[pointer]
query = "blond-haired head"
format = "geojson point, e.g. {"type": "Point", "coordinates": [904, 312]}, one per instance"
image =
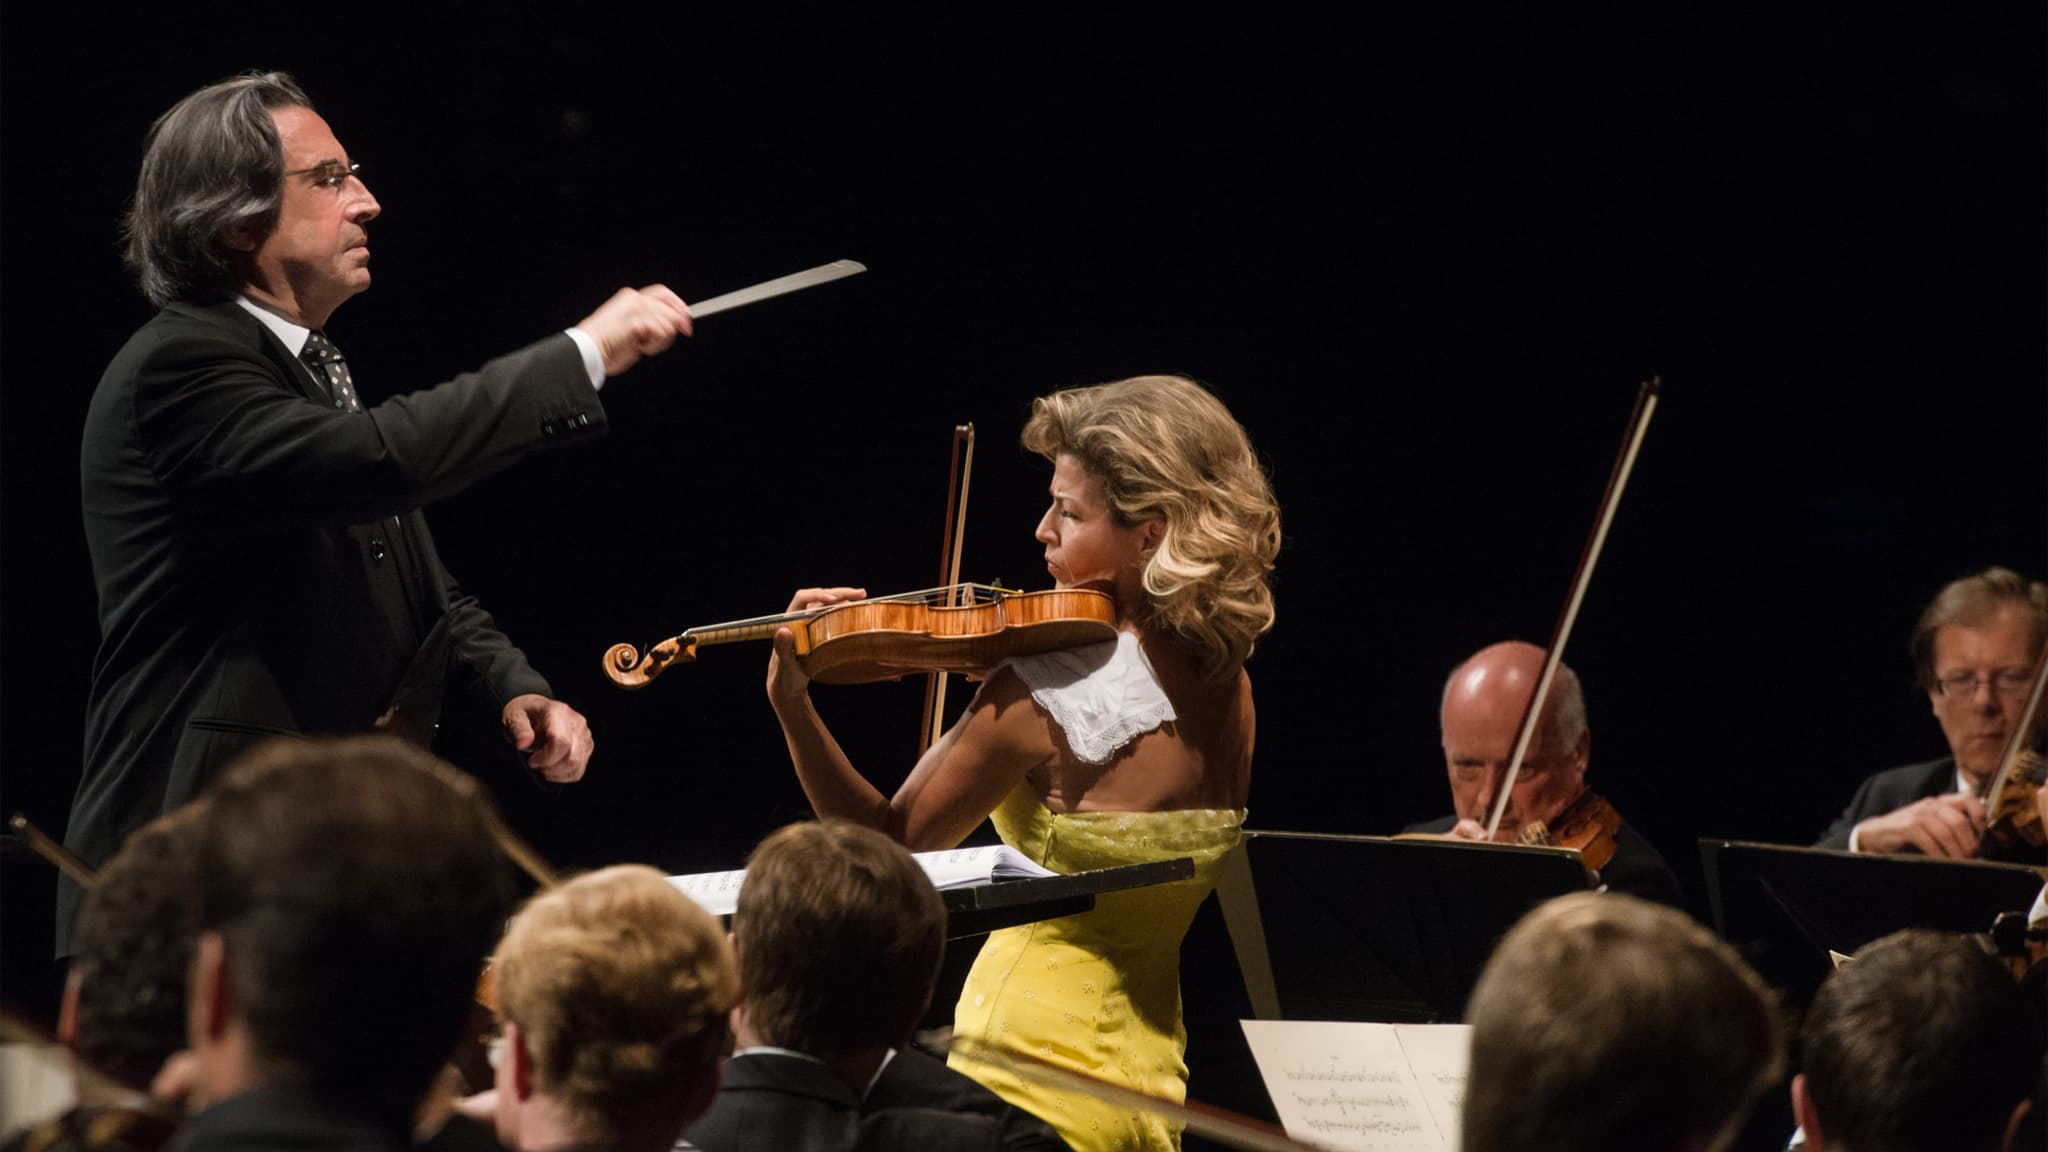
{"type": "Point", "coordinates": [620, 986]}
{"type": "Point", "coordinates": [1163, 447]}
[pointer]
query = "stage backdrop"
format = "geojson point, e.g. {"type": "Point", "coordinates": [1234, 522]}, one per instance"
{"type": "Point", "coordinates": [1427, 257]}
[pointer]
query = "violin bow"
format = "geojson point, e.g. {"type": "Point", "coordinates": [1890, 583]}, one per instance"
{"type": "Point", "coordinates": [958, 475]}
{"type": "Point", "coordinates": [1639, 423]}
{"type": "Point", "coordinates": [38, 842]}
{"type": "Point", "coordinates": [2016, 743]}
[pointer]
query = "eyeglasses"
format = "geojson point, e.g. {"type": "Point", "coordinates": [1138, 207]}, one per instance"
{"type": "Point", "coordinates": [330, 173]}
{"type": "Point", "coordinates": [2010, 683]}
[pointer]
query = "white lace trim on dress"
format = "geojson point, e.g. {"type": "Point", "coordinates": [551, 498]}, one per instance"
{"type": "Point", "coordinates": [1102, 697]}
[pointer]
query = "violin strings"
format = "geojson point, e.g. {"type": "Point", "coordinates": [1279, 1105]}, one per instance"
{"type": "Point", "coordinates": [921, 595]}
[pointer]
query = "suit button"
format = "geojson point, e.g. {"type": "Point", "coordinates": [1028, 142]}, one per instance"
{"type": "Point", "coordinates": [583, 419]}
{"type": "Point", "coordinates": [379, 550]}
{"type": "Point", "coordinates": [547, 427]}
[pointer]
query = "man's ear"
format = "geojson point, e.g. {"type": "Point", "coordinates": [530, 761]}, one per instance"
{"type": "Point", "coordinates": [67, 1011]}
{"type": "Point", "coordinates": [1804, 1116]}
{"type": "Point", "coordinates": [522, 1063]}
{"type": "Point", "coordinates": [2016, 1127]}
{"type": "Point", "coordinates": [212, 996]}
{"type": "Point", "coordinates": [242, 236]}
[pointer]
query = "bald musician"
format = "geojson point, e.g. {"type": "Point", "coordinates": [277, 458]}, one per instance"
{"type": "Point", "coordinates": [1482, 714]}
{"type": "Point", "coordinates": [1974, 650]}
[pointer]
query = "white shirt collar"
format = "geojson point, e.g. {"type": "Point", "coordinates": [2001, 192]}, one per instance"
{"type": "Point", "coordinates": [293, 335]}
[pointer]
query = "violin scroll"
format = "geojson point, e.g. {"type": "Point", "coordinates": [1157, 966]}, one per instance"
{"type": "Point", "coordinates": [629, 668]}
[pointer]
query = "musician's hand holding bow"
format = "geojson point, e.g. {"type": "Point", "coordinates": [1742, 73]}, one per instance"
{"type": "Point", "coordinates": [787, 680]}
{"type": "Point", "coordinates": [1468, 829]}
{"type": "Point", "coordinates": [1947, 825]}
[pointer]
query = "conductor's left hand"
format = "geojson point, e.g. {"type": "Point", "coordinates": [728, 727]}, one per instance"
{"type": "Point", "coordinates": [555, 737]}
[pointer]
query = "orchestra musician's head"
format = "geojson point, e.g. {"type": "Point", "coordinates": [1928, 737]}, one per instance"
{"type": "Point", "coordinates": [349, 891]}
{"type": "Point", "coordinates": [124, 998]}
{"type": "Point", "coordinates": [613, 991]}
{"type": "Point", "coordinates": [244, 189]}
{"type": "Point", "coordinates": [1921, 1040]}
{"type": "Point", "coordinates": [839, 935]}
{"type": "Point", "coordinates": [1482, 714]}
{"type": "Point", "coordinates": [1159, 499]}
{"type": "Point", "coordinates": [1606, 1022]}
{"type": "Point", "coordinates": [1974, 649]}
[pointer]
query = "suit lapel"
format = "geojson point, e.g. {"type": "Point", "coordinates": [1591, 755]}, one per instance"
{"type": "Point", "coordinates": [247, 330]}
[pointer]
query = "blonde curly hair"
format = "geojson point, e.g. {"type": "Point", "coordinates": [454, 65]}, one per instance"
{"type": "Point", "coordinates": [622, 986]}
{"type": "Point", "coordinates": [1164, 447]}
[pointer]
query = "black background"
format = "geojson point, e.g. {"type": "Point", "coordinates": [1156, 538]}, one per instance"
{"type": "Point", "coordinates": [1425, 253]}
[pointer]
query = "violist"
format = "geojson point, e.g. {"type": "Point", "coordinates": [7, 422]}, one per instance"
{"type": "Point", "coordinates": [1483, 704]}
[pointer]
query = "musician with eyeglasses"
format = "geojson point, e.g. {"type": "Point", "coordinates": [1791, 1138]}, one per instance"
{"type": "Point", "coordinates": [254, 526]}
{"type": "Point", "coordinates": [1974, 649]}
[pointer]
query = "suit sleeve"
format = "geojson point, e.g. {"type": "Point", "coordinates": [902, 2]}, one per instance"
{"type": "Point", "coordinates": [231, 440]}
{"type": "Point", "coordinates": [1859, 810]}
{"type": "Point", "coordinates": [483, 663]}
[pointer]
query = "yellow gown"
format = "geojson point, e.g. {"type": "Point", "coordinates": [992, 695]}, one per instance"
{"type": "Point", "coordinates": [1098, 993]}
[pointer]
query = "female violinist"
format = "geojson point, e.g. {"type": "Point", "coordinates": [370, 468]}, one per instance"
{"type": "Point", "coordinates": [1129, 750]}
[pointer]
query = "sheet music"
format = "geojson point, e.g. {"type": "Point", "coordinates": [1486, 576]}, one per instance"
{"type": "Point", "coordinates": [719, 892]}
{"type": "Point", "coordinates": [1438, 1055]}
{"type": "Point", "coordinates": [1361, 1087]}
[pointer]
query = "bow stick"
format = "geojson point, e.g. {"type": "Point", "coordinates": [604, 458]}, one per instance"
{"type": "Point", "coordinates": [1224, 1127]}
{"type": "Point", "coordinates": [1639, 423]}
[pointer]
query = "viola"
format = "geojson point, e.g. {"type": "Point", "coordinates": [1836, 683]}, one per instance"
{"type": "Point", "coordinates": [889, 637]}
{"type": "Point", "coordinates": [1589, 825]}
{"type": "Point", "coordinates": [2012, 818]}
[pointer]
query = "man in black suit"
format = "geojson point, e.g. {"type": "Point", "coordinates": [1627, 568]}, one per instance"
{"type": "Point", "coordinates": [839, 934]}
{"type": "Point", "coordinates": [348, 890]}
{"type": "Point", "coordinates": [1974, 650]}
{"type": "Point", "coordinates": [1483, 703]}
{"type": "Point", "coordinates": [261, 562]}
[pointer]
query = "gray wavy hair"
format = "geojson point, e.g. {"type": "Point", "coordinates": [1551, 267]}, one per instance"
{"type": "Point", "coordinates": [213, 165]}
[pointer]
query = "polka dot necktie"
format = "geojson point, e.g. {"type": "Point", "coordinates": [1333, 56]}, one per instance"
{"type": "Point", "coordinates": [329, 368]}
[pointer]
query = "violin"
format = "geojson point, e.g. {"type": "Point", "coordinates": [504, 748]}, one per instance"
{"type": "Point", "coordinates": [2012, 818]}
{"type": "Point", "coordinates": [1589, 825]}
{"type": "Point", "coordinates": [889, 637]}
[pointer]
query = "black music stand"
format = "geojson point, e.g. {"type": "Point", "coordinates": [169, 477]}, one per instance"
{"type": "Point", "coordinates": [1787, 908]}
{"type": "Point", "coordinates": [1390, 929]}
{"type": "Point", "coordinates": [1003, 903]}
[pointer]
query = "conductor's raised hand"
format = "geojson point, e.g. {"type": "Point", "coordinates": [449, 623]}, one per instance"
{"type": "Point", "coordinates": [555, 737]}
{"type": "Point", "coordinates": [787, 680]}
{"type": "Point", "coordinates": [636, 322]}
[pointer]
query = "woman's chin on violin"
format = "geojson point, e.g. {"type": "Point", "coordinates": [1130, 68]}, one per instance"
{"type": "Point", "coordinates": [1087, 545]}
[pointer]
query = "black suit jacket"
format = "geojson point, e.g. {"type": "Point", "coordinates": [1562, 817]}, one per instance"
{"type": "Point", "coordinates": [260, 560]}
{"type": "Point", "coordinates": [771, 1101]}
{"type": "Point", "coordinates": [1637, 868]}
{"type": "Point", "coordinates": [276, 1118]}
{"type": "Point", "coordinates": [1894, 788]}
{"type": "Point", "coordinates": [915, 1080]}
{"type": "Point", "coordinates": [1889, 791]}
